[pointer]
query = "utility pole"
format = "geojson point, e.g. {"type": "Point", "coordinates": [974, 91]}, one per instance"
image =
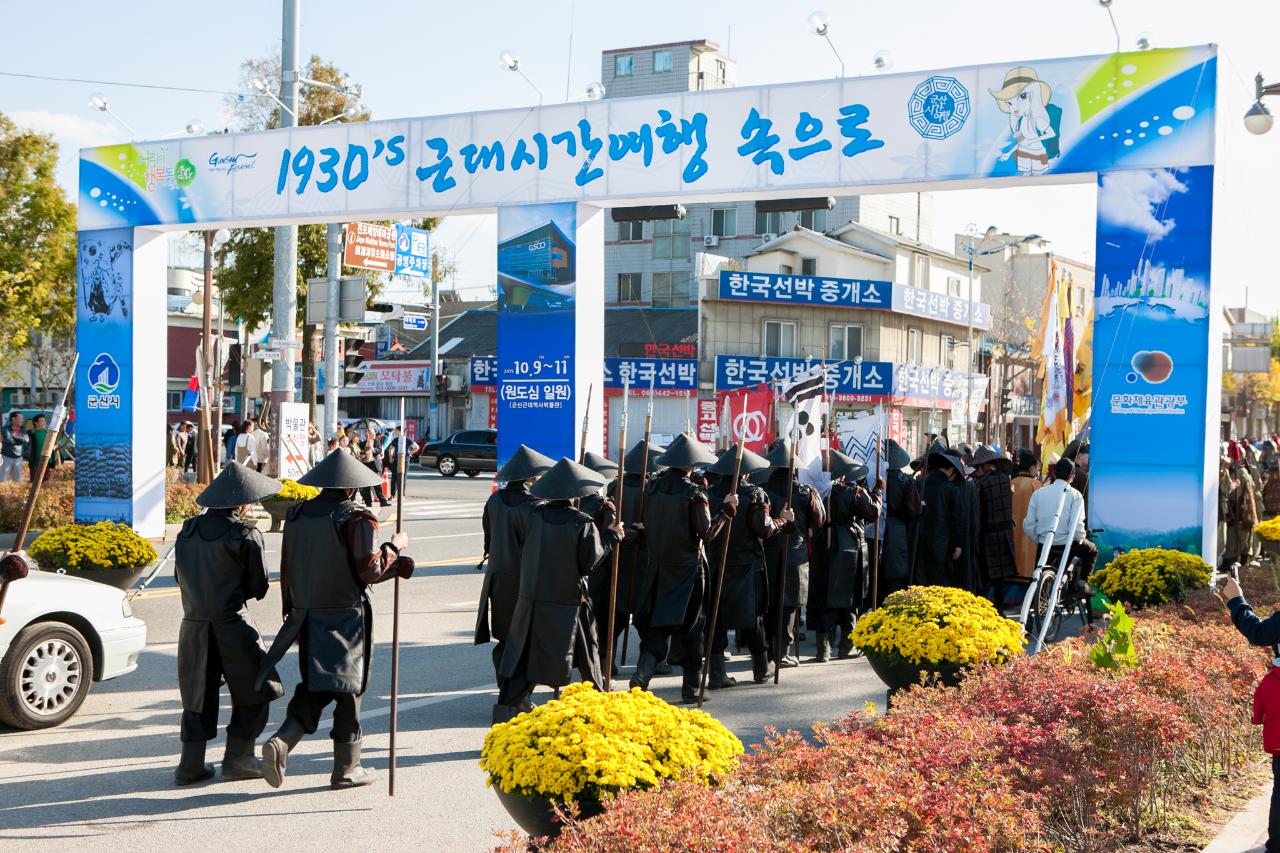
{"type": "Point", "coordinates": [206, 466]}
{"type": "Point", "coordinates": [332, 308]}
{"type": "Point", "coordinates": [284, 301]}
{"type": "Point", "coordinates": [433, 421]}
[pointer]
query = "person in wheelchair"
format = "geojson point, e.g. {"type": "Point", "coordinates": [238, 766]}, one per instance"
{"type": "Point", "coordinates": [1040, 520]}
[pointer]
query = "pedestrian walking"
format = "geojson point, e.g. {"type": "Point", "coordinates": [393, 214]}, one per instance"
{"type": "Point", "coordinates": [371, 458]}
{"type": "Point", "coordinates": [677, 521]}
{"type": "Point", "coordinates": [391, 458]}
{"type": "Point", "coordinates": [551, 626]}
{"type": "Point", "coordinates": [38, 434]}
{"type": "Point", "coordinates": [328, 559]}
{"type": "Point", "coordinates": [219, 566]}
{"type": "Point", "coordinates": [13, 446]}
{"type": "Point", "coordinates": [1026, 480]}
{"type": "Point", "coordinates": [505, 520]}
{"type": "Point", "coordinates": [744, 597]}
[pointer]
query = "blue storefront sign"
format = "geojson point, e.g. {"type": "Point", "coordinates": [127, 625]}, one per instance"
{"type": "Point", "coordinates": [831, 292]}
{"type": "Point", "coordinates": [413, 251]}
{"type": "Point", "coordinates": [484, 372]}
{"type": "Point", "coordinates": [851, 381]}
{"type": "Point", "coordinates": [671, 377]}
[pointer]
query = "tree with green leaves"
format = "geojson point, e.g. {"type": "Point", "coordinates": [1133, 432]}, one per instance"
{"type": "Point", "coordinates": [246, 276]}
{"type": "Point", "coordinates": [37, 245]}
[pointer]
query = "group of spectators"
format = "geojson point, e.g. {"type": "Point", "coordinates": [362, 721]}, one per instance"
{"type": "Point", "coordinates": [23, 443]}
{"type": "Point", "coordinates": [379, 452]}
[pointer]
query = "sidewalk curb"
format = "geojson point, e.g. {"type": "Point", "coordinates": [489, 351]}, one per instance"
{"type": "Point", "coordinates": [1245, 832]}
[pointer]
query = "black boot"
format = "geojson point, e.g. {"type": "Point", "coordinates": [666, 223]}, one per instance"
{"type": "Point", "coordinates": [663, 667]}
{"type": "Point", "coordinates": [690, 684]}
{"type": "Point", "coordinates": [347, 772]}
{"type": "Point", "coordinates": [761, 667]}
{"type": "Point", "coordinates": [502, 713]}
{"type": "Point", "coordinates": [719, 679]}
{"type": "Point", "coordinates": [238, 761]}
{"type": "Point", "coordinates": [191, 767]}
{"type": "Point", "coordinates": [824, 647]}
{"type": "Point", "coordinates": [644, 671]}
{"type": "Point", "coordinates": [275, 752]}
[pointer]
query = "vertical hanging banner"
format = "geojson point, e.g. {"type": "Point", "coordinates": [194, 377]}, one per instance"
{"type": "Point", "coordinates": [104, 396]}
{"type": "Point", "coordinates": [537, 370]}
{"type": "Point", "coordinates": [291, 461]}
{"type": "Point", "coordinates": [1151, 361]}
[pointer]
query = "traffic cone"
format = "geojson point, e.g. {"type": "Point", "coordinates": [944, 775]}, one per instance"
{"type": "Point", "coordinates": [386, 485]}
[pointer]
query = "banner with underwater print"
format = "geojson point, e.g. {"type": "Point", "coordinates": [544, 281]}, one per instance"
{"type": "Point", "coordinates": [1151, 360]}
{"type": "Point", "coordinates": [104, 398]}
{"type": "Point", "coordinates": [536, 328]}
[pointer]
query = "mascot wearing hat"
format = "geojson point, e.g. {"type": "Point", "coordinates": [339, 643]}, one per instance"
{"type": "Point", "coordinates": [219, 566]}
{"type": "Point", "coordinates": [551, 627]}
{"type": "Point", "coordinates": [328, 559]}
{"type": "Point", "coordinates": [1033, 121]}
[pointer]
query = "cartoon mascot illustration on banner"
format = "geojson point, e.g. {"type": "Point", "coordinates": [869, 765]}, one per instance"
{"type": "Point", "coordinates": [1033, 120]}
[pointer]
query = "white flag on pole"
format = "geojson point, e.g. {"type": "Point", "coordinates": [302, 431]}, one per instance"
{"type": "Point", "coordinates": [805, 395]}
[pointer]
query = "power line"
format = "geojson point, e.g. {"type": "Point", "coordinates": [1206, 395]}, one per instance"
{"type": "Point", "coordinates": [118, 83]}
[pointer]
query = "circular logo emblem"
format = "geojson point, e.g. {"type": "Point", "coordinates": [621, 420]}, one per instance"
{"type": "Point", "coordinates": [749, 426]}
{"type": "Point", "coordinates": [104, 374]}
{"type": "Point", "coordinates": [184, 172]}
{"type": "Point", "coordinates": [938, 107]}
{"type": "Point", "coordinates": [1154, 366]}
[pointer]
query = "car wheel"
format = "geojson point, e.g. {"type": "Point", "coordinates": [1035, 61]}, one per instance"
{"type": "Point", "coordinates": [447, 466]}
{"type": "Point", "coordinates": [472, 473]}
{"type": "Point", "coordinates": [45, 676]}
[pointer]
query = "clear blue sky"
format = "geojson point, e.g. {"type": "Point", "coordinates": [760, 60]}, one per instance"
{"type": "Point", "coordinates": [422, 58]}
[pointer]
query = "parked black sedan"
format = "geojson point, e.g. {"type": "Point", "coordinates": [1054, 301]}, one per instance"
{"type": "Point", "coordinates": [469, 450]}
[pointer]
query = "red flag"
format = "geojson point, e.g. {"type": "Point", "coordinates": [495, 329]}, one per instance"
{"type": "Point", "coordinates": [754, 426]}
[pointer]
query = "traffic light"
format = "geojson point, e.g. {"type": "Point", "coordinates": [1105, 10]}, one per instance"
{"type": "Point", "coordinates": [352, 362]}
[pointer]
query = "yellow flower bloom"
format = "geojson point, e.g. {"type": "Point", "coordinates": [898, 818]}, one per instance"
{"type": "Point", "coordinates": [1151, 575]}
{"type": "Point", "coordinates": [938, 624]}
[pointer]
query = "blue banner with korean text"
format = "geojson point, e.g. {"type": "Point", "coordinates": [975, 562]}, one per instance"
{"type": "Point", "coordinates": [668, 377]}
{"type": "Point", "coordinates": [536, 329]}
{"type": "Point", "coordinates": [484, 372]}
{"type": "Point", "coordinates": [852, 381]}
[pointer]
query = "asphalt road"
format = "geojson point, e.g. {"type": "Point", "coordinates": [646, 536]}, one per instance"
{"type": "Point", "coordinates": [104, 782]}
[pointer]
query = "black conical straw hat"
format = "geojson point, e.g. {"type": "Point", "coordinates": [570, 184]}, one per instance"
{"type": "Point", "coordinates": [779, 455]}
{"type": "Point", "coordinates": [897, 457]}
{"type": "Point", "coordinates": [843, 465]}
{"type": "Point", "coordinates": [635, 459]}
{"type": "Point", "coordinates": [237, 485]}
{"type": "Point", "coordinates": [687, 452]}
{"type": "Point", "coordinates": [728, 462]}
{"type": "Point", "coordinates": [600, 464]}
{"type": "Point", "coordinates": [340, 470]}
{"type": "Point", "coordinates": [566, 479]}
{"type": "Point", "coordinates": [524, 464]}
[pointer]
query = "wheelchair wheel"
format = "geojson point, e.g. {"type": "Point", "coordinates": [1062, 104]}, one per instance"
{"type": "Point", "coordinates": [1040, 605]}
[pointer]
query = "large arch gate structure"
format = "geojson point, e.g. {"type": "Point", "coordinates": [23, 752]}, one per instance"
{"type": "Point", "coordinates": [1139, 124]}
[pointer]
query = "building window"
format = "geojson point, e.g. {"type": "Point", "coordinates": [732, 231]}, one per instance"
{"type": "Point", "coordinates": [622, 66]}
{"type": "Point", "coordinates": [721, 75]}
{"type": "Point", "coordinates": [629, 287]}
{"type": "Point", "coordinates": [630, 232]}
{"type": "Point", "coordinates": [671, 238]}
{"type": "Point", "coordinates": [953, 285]}
{"type": "Point", "coordinates": [808, 266]}
{"type": "Point", "coordinates": [724, 221]}
{"type": "Point", "coordinates": [785, 269]}
{"type": "Point", "coordinates": [779, 339]}
{"type": "Point", "coordinates": [895, 225]}
{"type": "Point", "coordinates": [670, 290]}
{"type": "Point", "coordinates": [846, 343]}
{"type": "Point", "coordinates": [947, 351]}
{"type": "Point", "coordinates": [915, 346]}
{"type": "Point", "coordinates": [920, 277]}
{"type": "Point", "coordinates": [814, 220]}
{"type": "Point", "coordinates": [175, 401]}
{"type": "Point", "coordinates": [662, 61]}
{"type": "Point", "coordinates": [768, 223]}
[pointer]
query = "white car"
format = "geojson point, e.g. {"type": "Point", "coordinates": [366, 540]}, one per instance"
{"type": "Point", "coordinates": [59, 634]}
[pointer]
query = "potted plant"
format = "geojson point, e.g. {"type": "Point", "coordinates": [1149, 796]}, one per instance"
{"type": "Point", "coordinates": [587, 746]}
{"type": "Point", "coordinates": [106, 552]}
{"type": "Point", "coordinates": [291, 495]}
{"type": "Point", "coordinates": [1151, 576]}
{"type": "Point", "coordinates": [1269, 532]}
{"type": "Point", "coordinates": [939, 631]}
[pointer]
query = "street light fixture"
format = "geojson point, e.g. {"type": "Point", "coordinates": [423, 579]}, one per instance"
{"type": "Point", "coordinates": [882, 61]}
{"type": "Point", "coordinates": [1258, 120]}
{"type": "Point", "coordinates": [98, 101]}
{"type": "Point", "coordinates": [511, 61]}
{"type": "Point", "coordinates": [820, 26]}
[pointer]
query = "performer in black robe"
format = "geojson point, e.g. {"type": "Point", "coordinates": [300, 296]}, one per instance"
{"type": "Point", "coordinates": [943, 532]}
{"type": "Point", "coordinates": [791, 573]}
{"type": "Point", "coordinates": [219, 565]}
{"type": "Point", "coordinates": [552, 630]}
{"type": "Point", "coordinates": [328, 560]}
{"type": "Point", "coordinates": [900, 507]}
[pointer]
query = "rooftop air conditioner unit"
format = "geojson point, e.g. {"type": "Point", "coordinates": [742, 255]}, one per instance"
{"type": "Point", "coordinates": [710, 241]}
{"type": "Point", "coordinates": [765, 238]}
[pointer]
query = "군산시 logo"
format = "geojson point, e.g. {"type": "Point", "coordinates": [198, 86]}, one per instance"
{"type": "Point", "coordinates": [938, 107]}
{"type": "Point", "coordinates": [104, 374]}
{"type": "Point", "coordinates": [184, 172]}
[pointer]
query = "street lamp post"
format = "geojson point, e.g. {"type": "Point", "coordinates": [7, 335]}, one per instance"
{"type": "Point", "coordinates": [1258, 120]}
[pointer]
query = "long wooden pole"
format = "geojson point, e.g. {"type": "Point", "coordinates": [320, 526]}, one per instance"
{"type": "Point", "coordinates": [586, 424]}
{"type": "Point", "coordinates": [617, 550]}
{"type": "Point", "coordinates": [875, 551]}
{"type": "Point", "coordinates": [51, 436]}
{"type": "Point", "coordinates": [644, 473]}
{"type": "Point", "coordinates": [395, 613]}
{"type": "Point", "coordinates": [783, 561]}
{"type": "Point", "coordinates": [724, 559]}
